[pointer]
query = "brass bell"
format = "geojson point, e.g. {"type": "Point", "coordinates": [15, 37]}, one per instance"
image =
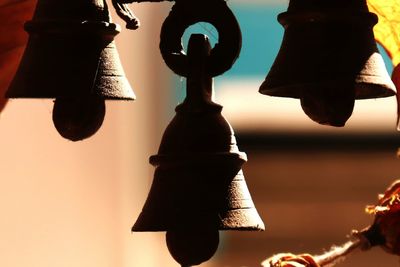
{"type": "Point", "coordinates": [328, 58]}
{"type": "Point", "coordinates": [198, 185]}
{"type": "Point", "coordinates": [71, 56]}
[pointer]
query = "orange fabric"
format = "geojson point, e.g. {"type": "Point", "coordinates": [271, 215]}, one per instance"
{"type": "Point", "coordinates": [396, 81]}
{"type": "Point", "coordinates": [387, 218]}
{"type": "Point", "coordinates": [387, 31]}
{"type": "Point", "coordinates": [13, 38]}
{"type": "Point", "coordinates": [290, 260]}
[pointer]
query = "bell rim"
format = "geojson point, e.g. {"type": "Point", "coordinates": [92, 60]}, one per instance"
{"type": "Point", "coordinates": [101, 28]}
{"type": "Point", "coordinates": [107, 97]}
{"type": "Point", "coordinates": [257, 228]}
{"type": "Point", "coordinates": [253, 223]}
{"type": "Point", "coordinates": [160, 159]}
{"type": "Point", "coordinates": [296, 17]}
{"type": "Point", "coordinates": [379, 90]}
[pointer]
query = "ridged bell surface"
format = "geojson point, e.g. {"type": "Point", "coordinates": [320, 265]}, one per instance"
{"type": "Point", "coordinates": [198, 182]}
{"type": "Point", "coordinates": [71, 53]}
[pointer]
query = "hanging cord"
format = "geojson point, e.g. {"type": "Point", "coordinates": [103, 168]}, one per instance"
{"type": "Point", "coordinates": [123, 11]}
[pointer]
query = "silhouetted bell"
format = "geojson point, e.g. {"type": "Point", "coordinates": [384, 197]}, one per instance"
{"type": "Point", "coordinates": [71, 56]}
{"type": "Point", "coordinates": [198, 185]}
{"type": "Point", "coordinates": [328, 58]}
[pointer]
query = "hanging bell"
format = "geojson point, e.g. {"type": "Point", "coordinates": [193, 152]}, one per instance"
{"type": "Point", "coordinates": [328, 58]}
{"type": "Point", "coordinates": [71, 56]}
{"type": "Point", "coordinates": [198, 185]}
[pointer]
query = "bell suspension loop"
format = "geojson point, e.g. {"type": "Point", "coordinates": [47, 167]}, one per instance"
{"type": "Point", "coordinates": [186, 13]}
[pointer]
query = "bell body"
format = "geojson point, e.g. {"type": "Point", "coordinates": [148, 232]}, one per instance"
{"type": "Point", "coordinates": [328, 43]}
{"type": "Point", "coordinates": [71, 53]}
{"type": "Point", "coordinates": [198, 181]}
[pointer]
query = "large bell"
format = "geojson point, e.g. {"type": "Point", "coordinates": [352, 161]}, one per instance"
{"type": "Point", "coordinates": [328, 58]}
{"type": "Point", "coordinates": [198, 181]}
{"type": "Point", "coordinates": [198, 185]}
{"type": "Point", "coordinates": [71, 56]}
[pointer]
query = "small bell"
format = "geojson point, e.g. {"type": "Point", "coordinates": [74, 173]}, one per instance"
{"type": "Point", "coordinates": [71, 56]}
{"type": "Point", "coordinates": [328, 58]}
{"type": "Point", "coordinates": [198, 185]}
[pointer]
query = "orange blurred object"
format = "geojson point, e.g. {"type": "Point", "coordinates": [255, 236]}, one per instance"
{"type": "Point", "coordinates": [13, 39]}
{"type": "Point", "coordinates": [396, 81]}
{"type": "Point", "coordinates": [387, 33]}
{"type": "Point", "coordinates": [387, 219]}
{"type": "Point", "coordinates": [290, 260]}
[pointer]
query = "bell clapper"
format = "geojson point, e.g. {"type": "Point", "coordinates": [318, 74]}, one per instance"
{"type": "Point", "coordinates": [78, 118]}
{"type": "Point", "coordinates": [192, 247]}
{"type": "Point", "coordinates": [331, 106]}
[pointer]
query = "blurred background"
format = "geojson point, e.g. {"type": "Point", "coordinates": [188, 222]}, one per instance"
{"type": "Point", "coordinates": [70, 204]}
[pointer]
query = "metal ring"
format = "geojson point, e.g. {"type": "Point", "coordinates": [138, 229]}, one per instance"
{"type": "Point", "coordinates": [185, 13]}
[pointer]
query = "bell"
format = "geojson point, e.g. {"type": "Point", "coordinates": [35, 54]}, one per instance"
{"type": "Point", "coordinates": [328, 58]}
{"type": "Point", "coordinates": [198, 181]}
{"type": "Point", "coordinates": [70, 53]}
{"type": "Point", "coordinates": [71, 56]}
{"type": "Point", "coordinates": [198, 185]}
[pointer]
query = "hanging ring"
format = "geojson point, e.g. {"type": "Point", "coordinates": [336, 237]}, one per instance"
{"type": "Point", "coordinates": [185, 13]}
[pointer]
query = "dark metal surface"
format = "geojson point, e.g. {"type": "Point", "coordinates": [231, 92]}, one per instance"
{"type": "Point", "coordinates": [328, 58]}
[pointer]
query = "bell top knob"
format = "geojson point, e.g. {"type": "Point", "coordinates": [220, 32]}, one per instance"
{"type": "Point", "coordinates": [318, 5]}
{"type": "Point", "coordinates": [199, 92]}
{"type": "Point", "coordinates": [88, 10]}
